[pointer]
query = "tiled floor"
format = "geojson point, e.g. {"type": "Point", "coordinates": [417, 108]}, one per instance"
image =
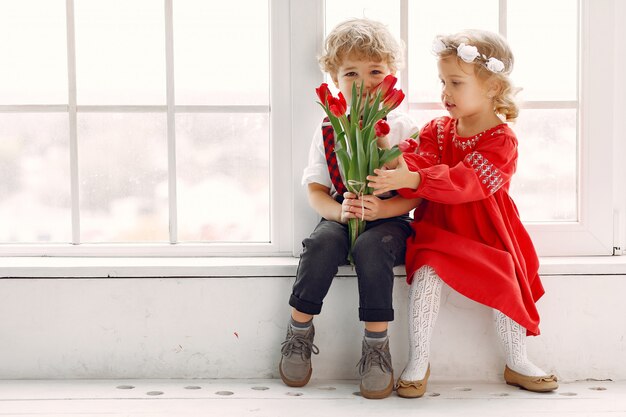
{"type": "Point", "coordinates": [172, 398]}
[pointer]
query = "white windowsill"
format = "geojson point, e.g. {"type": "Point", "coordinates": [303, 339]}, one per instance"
{"type": "Point", "coordinates": [135, 267]}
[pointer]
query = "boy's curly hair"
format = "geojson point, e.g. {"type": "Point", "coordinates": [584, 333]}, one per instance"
{"type": "Point", "coordinates": [489, 45]}
{"type": "Point", "coordinates": [363, 38]}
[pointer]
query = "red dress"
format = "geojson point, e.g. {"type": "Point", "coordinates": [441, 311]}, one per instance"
{"type": "Point", "coordinates": [468, 228]}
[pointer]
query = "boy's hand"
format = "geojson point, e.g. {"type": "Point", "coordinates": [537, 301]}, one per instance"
{"type": "Point", "coordinates": [346, 207]}
{"type": "Point", "coordinates": [368, 207]}
{"type": "Point", "coordinates": [393, 179]}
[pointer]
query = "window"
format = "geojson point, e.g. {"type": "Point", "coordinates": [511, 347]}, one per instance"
{"type": "Point", "coordinates": [557, 173]}
{"type": "Point", "coordinates": [139, 124]}
{"type": "Point", "coordinates": [181, 127]}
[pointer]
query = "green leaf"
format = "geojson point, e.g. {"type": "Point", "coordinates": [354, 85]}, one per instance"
{"type": "Point", "coordinates": [360, 151]}
{"type": "Point", "coordinates": [353, 173]}
{"type": "Point", "coordinates": [352, 138]}
{"type": "Point", "coordinates": [370, 117]}
{"type": "Point", "coordinates": [374, 162]}
{"type": "Point", "coordinates": [353, 106]}
{"type": "Point", "coordinates": [367, 108]}
{"type": "Point", "coordinates": [341, 140]}
{"type": "Point", "coordinates": [374, 157]}
{"type": "Point", "coordinates": [389, 154]}
{"type": "Point", "coordinates": [359, 102]}
{"type": "Point", "coordinates": [344, 162]}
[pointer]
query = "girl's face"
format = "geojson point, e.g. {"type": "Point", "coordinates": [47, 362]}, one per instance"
{"type": "Point", "coordinates": [356, 69]}
{"type": "Point", "coordinates": [463, 94]}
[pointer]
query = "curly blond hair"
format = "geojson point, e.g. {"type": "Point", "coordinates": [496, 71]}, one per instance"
{"type": "Point", "coordinates": [363, 38]}
{"type": "Point", "coordinates": [489, 45]}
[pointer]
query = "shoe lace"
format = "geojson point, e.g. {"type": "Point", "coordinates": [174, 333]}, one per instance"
{"type": "Point", "coordinates": [299, 344]}
{"type": "Point", "coordinates": [375, 356]}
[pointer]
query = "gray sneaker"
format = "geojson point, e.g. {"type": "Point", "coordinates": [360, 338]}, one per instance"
{"type": "Point", "coordinates": [295, 363]}
{"type": "Point", "coordinates": [376, 370]}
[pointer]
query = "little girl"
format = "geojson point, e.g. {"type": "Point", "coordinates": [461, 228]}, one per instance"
{"type": "Point", "coordinates": [468, 233]}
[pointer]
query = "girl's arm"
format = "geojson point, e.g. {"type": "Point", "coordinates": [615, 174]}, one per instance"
{"type": "Point", "coordinates": [480, 174]}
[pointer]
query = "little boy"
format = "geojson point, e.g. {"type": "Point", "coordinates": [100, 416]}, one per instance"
{"type": "Point", "coordinates": [358, 50]}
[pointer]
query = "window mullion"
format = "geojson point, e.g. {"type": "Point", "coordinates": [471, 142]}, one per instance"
{"type": "Point", "coordinates": [502, 17]}
{"type": "Point", "coordinates": [171, 121]}
{"type": "Point", "coordinates": [71, 83]}
{"type": "Point", "coordinates": [404, 36]}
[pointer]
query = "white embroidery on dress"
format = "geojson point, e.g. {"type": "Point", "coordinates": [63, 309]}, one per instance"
{"type": "Point", "coordinates": [428, 155]}
{"type": "Point", "coordinates": [470, 143]}
{"type": "Point", "coordinates": [440, 138]}
{"type": "Point", "coordinates": [488, 174]}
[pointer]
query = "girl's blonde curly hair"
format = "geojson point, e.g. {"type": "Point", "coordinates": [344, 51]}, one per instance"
{"type": "Point", "coordinates": [363, 38]}
{"type": "Point", "coordinates": [489, 45]}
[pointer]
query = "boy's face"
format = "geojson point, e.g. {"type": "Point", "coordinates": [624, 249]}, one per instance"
{"type": "Point", "coordinates": [357, 69]}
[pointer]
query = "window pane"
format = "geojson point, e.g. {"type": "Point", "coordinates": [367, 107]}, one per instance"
{"type": "Point", "coordinates": [429, 19]}
{"type": "Point", "coordinates": [223, 177]}
{"type": "Point", "coordinates": [385, 12]}
{"type": "Point", "coordinates": [424, 116]}
{"type": "Point", "coordinates": [545, 73]}
{"type": "Point", "coordinates": [34, 178]}
{"type": "Point", "coordinates": [221, 52]}
{"type": "Point", "coordinates": [34, 52]}
{"type": "Point", "coordinates": [545, 186]}
{"type": "Point", "coordinates": [123, 177]}
{"type": "Point", "coordinates": [338, 11]}
{"type": "Point", "coordinates": [120, 52]}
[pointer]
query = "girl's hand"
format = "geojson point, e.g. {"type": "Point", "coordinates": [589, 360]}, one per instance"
{"type": "Point", "coordinates": [368, 207]}
{"type": "Point", "coordinates": [383, 142]}
{"type": "Point", "coordinates": [393, 164]}
{"type": "Point", "coordinates": [393, 179]}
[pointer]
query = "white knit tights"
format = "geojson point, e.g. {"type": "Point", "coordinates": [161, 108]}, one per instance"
{"type": "Point", "coordinates": [424, 301]}
{"type": "Point", "coordinates": [513, 338]}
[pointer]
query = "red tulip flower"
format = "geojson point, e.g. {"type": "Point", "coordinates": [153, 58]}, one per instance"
{"type": "Point", "coordinates": [408, 145]}
{"type": "Point", "coordinates": [337, 106]}
{"type": "Point", "coordinates": [393, 99]}
{"type": "Point", "coordinates": [386, 86]}
{"type": "Point", "coordinates": [381, 128]}
{"type": "Point", "coordinates": [323, 93]}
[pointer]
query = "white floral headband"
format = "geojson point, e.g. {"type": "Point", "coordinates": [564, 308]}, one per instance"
{"type": "Point", "coordinates": [469, 54]}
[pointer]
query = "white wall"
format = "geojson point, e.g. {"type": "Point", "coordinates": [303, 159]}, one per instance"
{"type": "Point", "coordinates": [185, 328]}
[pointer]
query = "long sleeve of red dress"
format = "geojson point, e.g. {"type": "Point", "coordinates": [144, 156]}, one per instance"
{"type": "Point", "coordinates": [489, 166]}
{"type": "Point", "coordinates": [468, 227]}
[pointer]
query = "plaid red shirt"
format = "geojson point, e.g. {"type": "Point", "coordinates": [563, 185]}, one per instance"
{"type": "Point", "coordinates": [328, 134]}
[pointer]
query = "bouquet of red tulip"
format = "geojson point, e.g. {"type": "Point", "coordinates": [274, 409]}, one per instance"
{"type": "Point", "coordinates": [356, 144]}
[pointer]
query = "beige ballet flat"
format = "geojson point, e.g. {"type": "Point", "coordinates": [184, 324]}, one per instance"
{"type": "Point", "coordinates": [412, 389]}
{"type": "Point", "coordinates": [544, 383]}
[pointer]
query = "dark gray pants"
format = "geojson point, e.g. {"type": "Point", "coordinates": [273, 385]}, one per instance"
{"type": "Point", "coordinates": [376, 251]}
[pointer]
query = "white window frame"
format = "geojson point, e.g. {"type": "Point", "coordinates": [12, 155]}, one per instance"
{"type": "Point", "coordinates": [593, 234]}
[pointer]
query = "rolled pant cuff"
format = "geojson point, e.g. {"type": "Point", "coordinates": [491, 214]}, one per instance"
{"type": "Point", "coordinates": [368, 314]}
{"type": "Point", "coordinates": [304, 306]}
